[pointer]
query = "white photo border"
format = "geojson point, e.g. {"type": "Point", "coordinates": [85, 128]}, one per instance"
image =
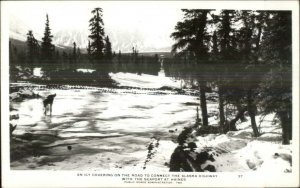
{"type": "Point", "coordinates": [41, 178]}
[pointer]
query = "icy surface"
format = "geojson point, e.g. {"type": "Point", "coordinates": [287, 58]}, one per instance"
{"type": "Point", "coordinates": [86, 70]}
{"type": "Point", "coordinates": [99, 125]}
{"type": "Point", "coordinates": [144, 80]}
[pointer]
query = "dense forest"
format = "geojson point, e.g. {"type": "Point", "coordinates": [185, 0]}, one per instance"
{"type": "Point", "coordinates": [246, 55]}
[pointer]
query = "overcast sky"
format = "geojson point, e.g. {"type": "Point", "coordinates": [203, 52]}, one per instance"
{"type": "Point", "coordinates": [156, 21]}
{"type": "Point", "coordinates": [76, 14]}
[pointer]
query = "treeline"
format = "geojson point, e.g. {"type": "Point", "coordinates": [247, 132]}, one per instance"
{"type": "Point", "coordinates": [35, 52]}
{"type": "Point", "coordinates": [44, 52]}
{"type": "Point", "coordinates": [246, 55]}
{"type": "Point", "coordinates": [99, 49]}
{"type": "Point", "coordinates": [98, 54]}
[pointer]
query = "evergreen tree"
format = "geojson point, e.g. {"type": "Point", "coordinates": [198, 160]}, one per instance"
{"type": "Point", "coordinates": [224, 48]}
{"type": "Point", "coordinates": [276, 47]}
{"type": "Point", "coordinates": [215, 48]}
{"type": "Point", "coordinates": [245, 35]}
{"type": "Point", "coordinates": [276, 52]}
{"type": "Point", "coordinates": [10, 53]}
{"type": "Point", "coordinates": [236, 47]}
{"type": "Point", "coordinates": [78, 54]}
{"type": "Point", "coordinates": [97, 34]}
{"type": "Point", "coordinates": [226, 34]}
{"type": "Point", "coordinates": [191, 36]}
{"type": "Point", "coordinates": [89, 50]}
{"type": "Point", "coordinates": [108, 51]}
{"type": "Point", "coordinates": [13, 53]}
{"type": "Point", "coordinates": [134, 55]}
{"type": "Point", "coordinates": [32, 47]}
{"type": "Point", "coordinates": [250, 79]}
{"type": "Point", "coordinates": [119, 56]}
{"type": "Point", "coordinates": [260, 25]}
{"type": "Point", "coordinates": [47, 48]}
{"type": "Point", "coordinates": [74, 52]}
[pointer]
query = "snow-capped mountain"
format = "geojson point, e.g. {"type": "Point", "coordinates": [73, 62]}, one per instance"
{"type": "Point", "coordinates": [18, 30]}
{"type": "Point", "coordinates": [120, 38]}
{"type": "Point", "coordinates": [124, 40]}
{"type": "Point", "coordinates": [68, 37]}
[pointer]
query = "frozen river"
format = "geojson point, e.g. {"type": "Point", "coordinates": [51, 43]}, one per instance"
{"type": "Point", "coordinates": [100, 128]}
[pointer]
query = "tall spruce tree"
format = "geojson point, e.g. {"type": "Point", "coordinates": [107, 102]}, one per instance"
{"type": "Point", "coordinates": [74, 52]}
{"type": "Point", "coordinates": [47, 48]}
{"type": "Point", "coordinates": [89, 49]}
{"type": "Point", "coordinates": [108, 50]}
{"type": "Point", "coordinates": [276, 52]}
{"type": "Point", "coordinates": [192, 37]}
{"type": "Point", "coordinates": [245, 35]}
{"type": "Point", "coordinates": [215, 48]}
{"type": "Point", "coordinates": [246, 51]}
{"type": "Point", "coordinates": [97, 34]}
{"type": "Point", "coordinates": [10, 53]}
{"type": "Point", "coordinates": [119, 56]}
{"type": "Point", "coordinates": [261, 20]}
{"type": "Point", "coordinates": [134, 55]}
{"type": "Point", "coordinates": [226, 35]}
{"type": "Point", "coordinates": [191, 34]}
{"type": "Point", "coordinates": [225, 39]}
{"type": "Point", "coordinates": [32, 47]}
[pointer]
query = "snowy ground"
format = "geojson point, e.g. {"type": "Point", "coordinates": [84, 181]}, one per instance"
{"type": "Point", "coordinates": [239, 152]}
{"type": "Point", "coordinates": [101, 128]}
{"type": "Point", "coordinates": [144, 80]}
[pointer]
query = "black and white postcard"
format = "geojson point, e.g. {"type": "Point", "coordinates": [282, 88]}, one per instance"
{"type": "Point", "coordinates": [150, 93]}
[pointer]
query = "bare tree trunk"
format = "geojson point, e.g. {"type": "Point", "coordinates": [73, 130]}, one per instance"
{"type": "Point", "coordinates": [251, 109]}
{"type": "Point", "coordinates": [290, 120]}
{"type": "Point", "coordinates": [237, 117]}
{"type": "Point", "coordinates": [203, 104]}
{"type": "Point", "coordinates": [285, 124]}
{"type": "Point", "coordinates": [240, 109]}
{"type": "Point", "coordinates": [221, 106]}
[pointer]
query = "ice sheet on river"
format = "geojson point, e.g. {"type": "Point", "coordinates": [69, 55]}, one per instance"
{"type": "Point", "coordinates": [107, 130]}
{"type": "Point", "coordinates": [144, 80]}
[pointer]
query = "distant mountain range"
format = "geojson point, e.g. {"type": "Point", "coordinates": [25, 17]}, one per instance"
{"type": "Point", "coordinates": [122, 40]}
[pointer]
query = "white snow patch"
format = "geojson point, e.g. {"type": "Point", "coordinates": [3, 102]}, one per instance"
{"type": "Point", "coordinates": [239, 151]}
{"type": "Point", "coordinates": [144, 80]}
{"type": "Point", "coordinates": [86, 70]}
{"type": "Point", "coordinates": [77, 134]}
{"type": "Point", "coordinates": [14, 96]}
{"type": "Point", "coordinates": [261, 156]}
{"type": "Point", "coordinates": [80, 124]}
{"type": "Point", "coordinates": [37, 71]}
